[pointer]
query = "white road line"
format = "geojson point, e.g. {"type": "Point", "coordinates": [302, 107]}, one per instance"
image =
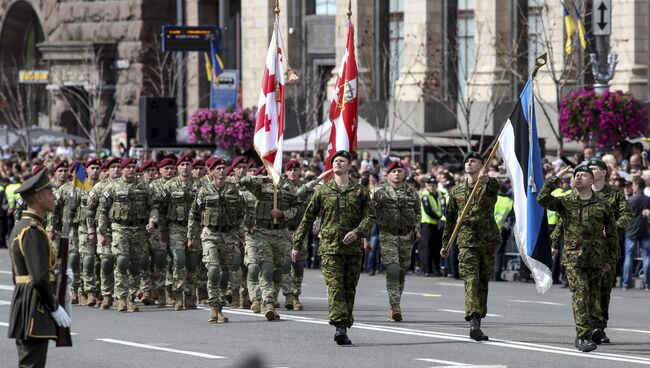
{"type": "Point", "coordinates": [5, 302]}
{"type": "Point", "coordinates": [152, 347]}
{"type": "Point", "coordinates": [6, 287]}
{"type": "Point", "coordinates": [449, 284]}
{"type": "Point", "coordinates": [463, 312]}
{"type": "Point", "coordinates": [429, 360]}
{"type": "Point", "coordinates": [4, 324]}
{"type": "Point", "coordinates": [311, 298]}
{"type": "Point", "coordinates": [537, 302]}
{"type": "Point", "coordinates": [628, 330]}
{"type": "Point", "coordinates": [418, 294]}
{"type": "Point", "coordinates": [5, 272]}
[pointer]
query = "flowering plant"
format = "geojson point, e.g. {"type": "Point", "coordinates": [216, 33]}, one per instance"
{"type": "Point", "coordinates": [607, 119]}
{"type": "Point", "coordinates": [230, 129]}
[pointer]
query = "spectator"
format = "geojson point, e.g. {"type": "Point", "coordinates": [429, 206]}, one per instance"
{"type": "Point", "coordinates": [637, 234]}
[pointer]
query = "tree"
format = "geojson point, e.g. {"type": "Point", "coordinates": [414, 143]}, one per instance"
{"type": "Point", "coordinates": [307, 102]}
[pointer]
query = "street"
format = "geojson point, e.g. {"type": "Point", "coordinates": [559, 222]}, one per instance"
{"type": "Point", "coordinates": [525, 329]}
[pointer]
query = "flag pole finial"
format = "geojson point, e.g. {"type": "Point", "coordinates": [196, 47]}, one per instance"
{"type": "Point", "coordinates": [540, 61]}
{"type": "Point", "coordinates": [349, 13]}
{"type": "Point", "coordinates": [277, 7]}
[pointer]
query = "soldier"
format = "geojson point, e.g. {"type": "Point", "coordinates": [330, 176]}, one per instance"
{"type": "Point", "coordinates": [177, 197]}
{"type": "Point", "coordinates": [623, 216]}
{"type": "Point", "coordinates": [199, 173]}
{"type": "Point", "coordinates": [162, 275]}
{"type": "Point", "coordinates": [346, 214]}
{"type": "Point", "coordinates": [106, 258]}
{"type": "Point", "coordinates": [268, 251]}
{"type": "Point", "coordinates": [246, 233]}
{"type": "Point", "coordinates": [34, 311]}
{"type": "Point", "coordinates": [88, 249]}
{"type": "Point", "coordinates": [60, 173]}
{"type": "Point", "coordinates": [398, 218]}
{"type": "Point", "coordinates": [215, 217]}
{"type": "Point", "coordinates": [477, 239]}
{"type": "Point", "coordinates": [590, 239]}
{"type": "Point", "coordinates": [149, 174]}
{"type": "Point", "coordinates": [126, 204]}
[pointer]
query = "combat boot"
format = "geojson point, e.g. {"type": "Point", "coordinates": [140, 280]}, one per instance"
{"type": "Point", "coordinates": [178, 301]}
{"type": "Point", "coordinates": [131, 307]}
{"type": "Point", "coordinates": [106, 303]}
{"type": "Point", "coordinates": [288, 302]}
{"type": "Point", "coordinates": [585, 345]}
{"type": "Point", "coordinates": [597, 336]}
{"type": "Point", "coordinates": [190, 301]}
{"type": "Point", "coordinates": [75, 298]}
{"type": "Point", "coordinates": [162, 299]}
{"type": "Point", "coordinates": [155, 295]}
{"type": "Point", "coordinates": [146, 298]}
{"type": "Point", "coordinates": [297, 306]}
{"type": "Point", "coordinates": [244, 300]}
{"type": "Point", "coordinates": [394, 313]}
{"type": "Point", "coordinates": [212, 318]}
{"type": "Point", "coordinates": [235, 299]}
{"type": "Point", "coordinates": [229, 296]}
{"type": "Point", "coordinates": [83, 299]}
{"type": "Point", "coordinates": [202, 296]}
{"type": "Point", "coordinates": [341, 336]}
{"type": "Point", "coordinates": [256, 307]}
{"type": "Point", "coordinates": [92, 300]}
{"type": "Point", "coordinates": [269, 311]}
{"type": "Point", "coordinates": [121, 305]}
{"type": "Point", "coordinates": [605, 339]}
{"type": "Point", "coordinates": [475, 332]}
{"type": "Point", "coordinates": [139, 294]}
{"type": "Point", "coordinates": [170, 298]}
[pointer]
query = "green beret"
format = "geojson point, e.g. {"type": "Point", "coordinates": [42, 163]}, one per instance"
{"type": "Point", "coordinates": [597, 162]}
{"type": "Point", "coordinates": [472, 154]}
{"type": "Point", "coordinates": [582, 168]}
{"type": "Point", "coordinates": [342, 153]}
{"type": "Point", "coordinates": [35, 184]}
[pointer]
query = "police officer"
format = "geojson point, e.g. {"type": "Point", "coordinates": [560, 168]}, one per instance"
{"type": "Point", "coordinates": [504, 217]}
{"type": "Point", "coordinates": [431, 202]}
{"type": "Point", "coordinates": [34, 312]}
{"type": "Point", "coordinates": [398, 217]}
{"type": "Point", "coordinates": [346, 214]}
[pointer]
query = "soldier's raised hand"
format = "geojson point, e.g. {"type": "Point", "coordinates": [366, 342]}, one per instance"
{"type": "Point", "coordinates": [563, 171]}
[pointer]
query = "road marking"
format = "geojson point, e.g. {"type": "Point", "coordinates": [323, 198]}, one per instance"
{"type": "Point", "coordinates": [418, 294]}
{"type": "Point", "coordinates": [628, 330]}
{"type": "Point", "coordinates": [152, 347]}
{"type": "Point", "coordinates": [537, 302]}
{"type": "Point", "coordinates": [6, 287]}
{"type": "Point", "coordinates": [4, 324]}
{"type": "Point", "coordinates": [429, 360]}
{"type": "Point", "coordinates": [5, 272]}
{"type": "Point", "coordinates": [463, 312]}
{"type": "Point", "coordinates": [5, 302]}
{"type": "Point", "coordinates": [449, 284]}
{"type": "Point", "coordinates": [311, 298]}
{"type": "Point", "coordinates": [456, 364]}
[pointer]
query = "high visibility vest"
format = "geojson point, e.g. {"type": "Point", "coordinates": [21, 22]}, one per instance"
{"type": "Point", "coordinates": [436, 206]}
{"type": "Point", "coordinates": [502, 210]}
{"type": "Point", "coordinates": [552, 216]}
{"type": "Point", "coordinates": [10, 193]}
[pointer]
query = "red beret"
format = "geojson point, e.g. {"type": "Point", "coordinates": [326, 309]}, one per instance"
{"type": "Point", "coordinates": [167, 161]}
{"type": "Point", "coordinates": [394, 165]}
{"type": "Point", "coordinates": [238, 160]}
{"type": "Point", "coordinates": [37, 168]}
{"type": "Point", "coordinates": [214, 162]}
{"type": "Point", "coordinates": [147, 164]}
{"type": "Point", "coordinates": [261, 171]}
{"type": "Point", "coordinates": [183, 159]}
{"type": "Point", "coordinates": [93, 161]}
{"type": "Point", "coordinates": [291, 164]}
{"type": "Point", "coordinates": [128, 161]}
{"type": "Point", "coordinates": [111, 161]}
{"type": "Point", "coordinates": [198, 162]}
{"type": "Point", "coordinates": [62, 164]}
{"type": "Point", "coordinates": [228, 170]}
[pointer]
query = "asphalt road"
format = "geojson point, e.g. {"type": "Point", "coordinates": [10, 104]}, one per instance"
{"type": "Point", "coordinates": [525, 329]}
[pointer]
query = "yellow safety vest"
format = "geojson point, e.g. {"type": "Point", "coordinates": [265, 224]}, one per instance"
{"type": "Point", "coordinates": [552, 216]}
{"type": "Point", "coordinates": [434, 202]}
{"type": "Point", "coordinates": [11, 195]}
{"type": "Point", "coordinates": [502, 210]}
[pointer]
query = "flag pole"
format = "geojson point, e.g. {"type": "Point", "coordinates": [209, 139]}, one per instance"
{"type": "Point", "coordinates": [349, 13]}
{"type": "Point", "coordinates": [277, 101]}
{"type": "Point", "coordinates": [540, 61]}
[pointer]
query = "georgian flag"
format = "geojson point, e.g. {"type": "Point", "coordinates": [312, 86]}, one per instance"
{"type": "Point", "coordinates": [343, 110]}
{"type": "Point", "coordinates": [269, 128]}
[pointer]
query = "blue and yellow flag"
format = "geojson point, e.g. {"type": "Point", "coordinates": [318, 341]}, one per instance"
{"type": "Point", "coordinates": [582, 33]}
{"type": "Point", "coordinates": [213, 63]}
{"type": "Point", "coordinates": [80, 179]}
{"type": "Point", "coordinates": [570, 28]}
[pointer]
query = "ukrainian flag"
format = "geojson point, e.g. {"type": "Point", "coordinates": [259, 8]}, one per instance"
{"type": "Point", "coordinates": [80, 178]}
{"type": "Point", "coordinates": [213, 63]}
{"type": "Point", "coordinates": [582, 33]}
{"type": "Point", "coordinates": [570, 28]}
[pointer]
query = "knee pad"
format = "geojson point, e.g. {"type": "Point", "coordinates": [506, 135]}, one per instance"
{"type": "Point", "coordinates": [277, 276]}
{"type": "Point", "coordinates": [285, 268]}
{"type": "Point", "coordinates": [253, 271]}
{"type": "Point", "coordinates": [122, 263]}
{"type": "Point", "coordinates": [236, 260]}
{"type": "Point", "coordinates": [89, 264]}
{"type": "Point", "coordinates": [225, 278]}
{"type": "Point", "coordinates": [393, 272]}
{"type": "Point", "coordinates": [213, 274]}
{"type": "Point", "coordinates": [267, 271]}
{"type": "Point", "coordinates": [191, 261]}
{"type": "Point", "coordinates": [107, 266]}
{"type": "Point", "coordinates": [159, 259]}
{"type": "Point", "coordinates": [73, 261]}
{"type": "Point", "coordinates": [179, 258]}
{"type": "Point", "coordinates": [299, 269]}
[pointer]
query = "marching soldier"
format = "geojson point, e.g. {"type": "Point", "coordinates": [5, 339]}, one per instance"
{"type": "Point", "coordinates": [34, 312]}
{"type": "Point", "coordinates": [346, 214]}
{"type": "Point", "coordinates": [199, 173]}
{"type": "Point", "coordinates": [88, 249]}
{"type": "Point", "coordinates": [163, 272]}
{"type": "Point", "coordinates": [590, 239]}
{"type": "Point", "coordinates": [252, 281]}
{"type": "Point", "coordinates": [149, 174]}
{"type": "Point", "coordinates": [398, 218]}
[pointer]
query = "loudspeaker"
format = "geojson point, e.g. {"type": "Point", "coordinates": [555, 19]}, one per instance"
{"type": "Point", "coordinates": [157, 127]}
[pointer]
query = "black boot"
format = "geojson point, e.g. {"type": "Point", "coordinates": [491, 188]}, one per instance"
{"type": "Point", "coordinates": [605, 339]}
{"type": "Point", "coordinates": [597, 336]}
{"type": "Point", "coordinates": [475, 332]}
{"type": "Point", "coordinates": [585, 345]}
{"type": "Point", "coordinates": [341, 336]}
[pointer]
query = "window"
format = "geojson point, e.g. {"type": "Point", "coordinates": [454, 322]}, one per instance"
{"type": "Point", "coordinates": [325, 7]}
{"type": "Point", "coordinates": [395, 41]}
{"type": "Point", "coordinates": [466, 46]}
{"type": "Point", "coordinates": [535, 37]}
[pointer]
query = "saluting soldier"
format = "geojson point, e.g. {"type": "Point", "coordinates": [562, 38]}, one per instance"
{"type": "Point", "coordinates": [590, 239]}
{"type": "Point", "coordinates": [34, 312]}
{"type": "Point", "coordinates": [346, 214]}
{"type": "Point", "coordinates": [398, 218]}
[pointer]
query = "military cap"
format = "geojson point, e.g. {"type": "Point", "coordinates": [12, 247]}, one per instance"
{"type": "Point", "coordinates": [215, 161]}
{"type": "Point", "coordinates": [147, 164]}
{"type": "Point", "coordinates": [128, 161]}
{"type": "Point", "coordinates": [397, 164]}
{"type": "Point", "coordinates": [261, 171]}
{"type": "Point", "coordinates": [36, 168]}
{"type": "Point", "coordinates": [597, 162]}
{"type": "Point", "coordinates": [228, 170]}
{"type": "Point", "coordinates": [167, 161]}
{"type": "Point", "coordinates": [432, 180]}
{"type": "Point", "coordinates": [183, 159]}
{"type": "Point", "coordinates": [198, 163]}
{"type": "Point", "coordinates": [93, 161]}
{"type": "Point", "coordinates": [111, 161]}
{"type": "Point", "coordinates": [238, 160]}
{"type": "Point", "coordinates": [62, 164]}
{"type": "Point", "coordinates": [35, 184]}
{"type": "Point", "coordinates": [472, 154]}
{"type": "Point", "coordinates": [291, 164]}
{"type": "Point", "coordinates": [583, 168]}
{"type": "Point", "coordinates": [342, 153]}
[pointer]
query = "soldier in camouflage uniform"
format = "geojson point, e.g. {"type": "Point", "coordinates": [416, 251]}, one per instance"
{"type": "Point", "coordinates": [199, 173]}
{"type": "Point", "coordinates": [163, 279]}
{"type": "Point", "coordinates": [149, 174]}
{"type": "Point", "coordinates": [177, 198]}
{"type": "Point", "coordinates": [268, 251]}
{"type": "Point", "coordinates": [88, 249]}
{"type": "Point", "coordinates": [53, 225]}
{"type": "Point", "coordinates": [623, 215]}
{"type": "Point", "coordinates": [477, 239]}
{"type": "Point", "coordinates": [398, 217]}
{"type": "Point", "coordinates": [590, 239]}
{"type": "Point", "coordinates": [214, 218]}
{"type": "Point", "coordinates": [126, 207]}
{"type": "Point", "coordinates": [107, 260]}
{"type": "Point", "coordinates": [252, 281]}
{"type": "Point", "coordinates": [347, 214]}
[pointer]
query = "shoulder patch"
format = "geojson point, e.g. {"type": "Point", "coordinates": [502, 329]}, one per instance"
{"type": "Point", "coordinates": [92, 193]}
{"type": "Point", "coordinates": [163, 194]}
{"type": "Point", "coordinates": [107, 194]}
{"type": "Point", "coordinates": [198, 201]}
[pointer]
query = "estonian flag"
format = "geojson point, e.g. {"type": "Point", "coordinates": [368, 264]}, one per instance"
{"type": "Point", "coordinates": [80, 179]}
{"type": "Point", "coordinates": [519, 146]}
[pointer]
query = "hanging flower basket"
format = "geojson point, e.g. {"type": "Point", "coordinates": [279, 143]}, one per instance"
{"type": "Point", "coordinates": [229, 129]}
{"type": "Point", "coordinates": [606, 119]}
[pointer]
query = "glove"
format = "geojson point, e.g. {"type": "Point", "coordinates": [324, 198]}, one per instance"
{"type": "Point", "coordinates": [70, 275]}
{"type": "Point", "coordinates": [61, 318]}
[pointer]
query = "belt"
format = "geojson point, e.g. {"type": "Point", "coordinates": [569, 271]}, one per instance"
{"type": "Point", "coordinates": [398, 232]}
{"type": "Point", "coordinates": [26, 279]}
{"type": "Point", "coordinates": [130, 223]}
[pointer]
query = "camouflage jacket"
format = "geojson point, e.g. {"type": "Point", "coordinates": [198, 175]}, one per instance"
{"type": "Point", "coordinates": [68, 198]}
{"type": "Point", "coordinates": [590, 237]}
{"type": "Point", "coordinates": [262, 189]}
{"type": "Point", "coordinates": [303, 191]}
{"type": "Point", "coordinates": [92, 205]}
{"type": "Point", "coordinates": [126, 203]}
{"type": "Point", "coordinates": [341, 210]}
{"type": "Point", "coordinates": [397, 209]}
{"type": "Point", "coordinates": [176, 199]}
{"type": "Point", "coordinates": [479, 229]}
{"type": "Point", "coordinates": [620, 208]}
{"type": "Point", "coordinates": [218, 208]}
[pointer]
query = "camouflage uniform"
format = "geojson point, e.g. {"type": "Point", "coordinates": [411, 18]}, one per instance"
{"type": "Point", "coordinates": [341, 210]}
{"type": "Point", "coordinates": [252, 276]}
{"type": "Point", "coordinates": [236, 284]}
{"type": "Point", "coordinates": [128, 207]}
{"type": "Point", "coordinates": [154, 267]}
{"type": "Point", "coordinates": [586, 250]}
{"type": "Point", "coordinates": [106, 258]}
{"type": "Point", "coordinates": [214, 218]}
{"type": "Point", "coordinates": [477, 238]}
{"type": "Point", "coordinates": [398, 218]}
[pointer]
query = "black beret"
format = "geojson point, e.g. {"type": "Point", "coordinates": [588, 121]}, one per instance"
{"type": "Point", "coordinates": [583, 168]}
{"type": "Point", "coordinates": [35, 184]}
{"type": "Point", "coordinates": [597, 162]}
{"type": "Point", "coordinates": [472, 154]}
{"type": "Point", "coordinates": [342, 153]}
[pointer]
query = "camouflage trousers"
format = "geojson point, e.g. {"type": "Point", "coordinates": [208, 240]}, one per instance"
{"type": "Point", "coordinates": [237, 283]}
{"type": "Point", "coordinates": [253, 274]}
{"type": "Point", "coordinates": [341, 273]}
{"type": "Point", "coordinates": [107, 266]}
{"type": "Point", "coordinates": [154, 264]}
{"type": "Point", "coordinates": [584, 284]}
{"type": "Point", "coordinates": [201, 271]}
{"type": "Point", "coordinates": [606, 284]}
{"type": "Point", "coordinates": [268, 251]}
{"type": "Point", "coordinates": [129, 246]}
{"type": "Point", "coordinates": [184, 260]}
{"type": "Point", "coordinates": [217, 257]}
{"type": "Point", "coordinates": [90, 265]}
{"type": "Point", "coordinates": [73, 257]}
{"type": "Point", "coordinates": [475, 268]}
{"type": "Point", "coordinates": [396, 257]}
{"type": "Point", "coordinates": [292, 281]}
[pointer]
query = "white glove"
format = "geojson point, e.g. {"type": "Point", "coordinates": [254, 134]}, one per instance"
{"type": "Point", "coordinates": [61, 318]}
{"type": "Point", "coordinates": [70, 275]}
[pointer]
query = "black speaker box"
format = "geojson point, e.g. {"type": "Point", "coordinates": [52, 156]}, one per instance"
{"type": "Point", "coordinates": [157, 126]}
